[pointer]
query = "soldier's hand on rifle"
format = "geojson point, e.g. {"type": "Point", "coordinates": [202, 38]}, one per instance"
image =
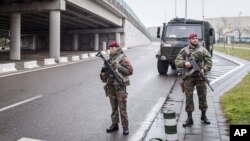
{"type": "Point", "coordinates": [187, 64]}
{"type": "Point", "coordinates": [202, 71]}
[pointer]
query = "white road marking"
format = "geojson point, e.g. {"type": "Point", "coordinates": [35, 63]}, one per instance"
{"type": "Point", "coordinates": [28, 139]}
{"type": "Point", "coordinates": [20, 103]}
{"type": "Point", "coordinates": [238, 67]}
{"type": "Point", "coordinates": [146, 124]}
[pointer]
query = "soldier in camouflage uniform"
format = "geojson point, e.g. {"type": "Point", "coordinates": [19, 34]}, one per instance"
{"type": "Point", "coordinates": [116, 92]}
{"type": "Point", "coordinates": [190, 80]}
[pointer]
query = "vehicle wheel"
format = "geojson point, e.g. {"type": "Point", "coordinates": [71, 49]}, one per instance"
{"type": "Point", "coordinates": [173, 66]}
{"type": "Point", "coordinates": [162, 67]}
{"type": "Point", "coordinates": [211, 52]}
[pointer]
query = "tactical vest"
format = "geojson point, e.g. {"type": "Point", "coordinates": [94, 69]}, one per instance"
{"type": "Point", "coordinates": [197, 55]}
{"type": "Point", "coordinates": [117, 61]}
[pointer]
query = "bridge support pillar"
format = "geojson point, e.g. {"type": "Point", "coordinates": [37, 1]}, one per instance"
{"type": "Point", "coordinates": [96, 42]}
{"type": "Point", "coordinates": [54, 34]}
{"type": "Point", "coordinates": [34, 41]}
{"type": "Point", "coordinates": [15, 36]}
{"type": "Point", "coordinates": [75, 42]}
{"type": "Point", "coordinates": [118, 37]}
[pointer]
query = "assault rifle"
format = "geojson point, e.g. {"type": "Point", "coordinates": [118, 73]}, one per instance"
{"type": "Point", "coordinates": [196, 68]}
{"type": "Point", "coordinates": [110, 71]}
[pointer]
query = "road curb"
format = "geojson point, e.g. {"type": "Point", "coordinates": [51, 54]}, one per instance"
{"type": "Point", "coordinates": [225, 56]}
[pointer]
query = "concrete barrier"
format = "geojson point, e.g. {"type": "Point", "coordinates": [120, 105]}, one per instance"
{"type": "Point", "coordinates": [28, 139]}
{"type": "Point", "coordinates": [9, 67]}
{"type": "Point", "coordinates": [124, 48]}
{"type": "Point", "coordinates": [92, 54]}
{"type": "Point", "coordinates": [63, 59]}
{"type": "Point", "coordinates": [75, 58]}
{"type": "Point", "coordinates": [103, 52]}
{"type": "Point", "coordinates": [84, 56]}
{"type": "Point", "coordinates": [49, 61]}
{"type": "Point", "coordinates": [30, 64]}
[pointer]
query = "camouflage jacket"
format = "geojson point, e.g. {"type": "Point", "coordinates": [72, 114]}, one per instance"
{"type": "Point", "coordinates": [121, 65]}
{"type": "Point", "coordinates": [199, 54]}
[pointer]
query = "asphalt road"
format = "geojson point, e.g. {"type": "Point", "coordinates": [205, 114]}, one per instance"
{"type": "Point", "coordinates": [68, 103]}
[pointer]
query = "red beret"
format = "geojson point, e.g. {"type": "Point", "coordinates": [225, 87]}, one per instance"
{"type": "Point", "coordinates": [192, 35]}
{"type": "Point", "coordinates": [114, 44]}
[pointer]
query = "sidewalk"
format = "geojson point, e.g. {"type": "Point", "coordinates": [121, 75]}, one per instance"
{"type": "Point", "coordinates": [218, 130]}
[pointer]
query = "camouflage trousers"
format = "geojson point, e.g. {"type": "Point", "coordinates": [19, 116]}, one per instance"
{"type": "Point", "coordinates": [118, 99]}
{"type": "Point", "coordinates": [189, 84]}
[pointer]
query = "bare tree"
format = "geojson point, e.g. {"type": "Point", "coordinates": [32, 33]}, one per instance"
{"type": "Point", "coordinates": [240, 31]}
{"type": "Point", "coordinates": [219, 31]}
{"type": "Point", "coordinates": [239, 28]}
{"type": "Point", "coordinates": [224, 21]}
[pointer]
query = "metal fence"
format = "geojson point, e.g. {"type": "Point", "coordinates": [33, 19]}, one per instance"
{"type": "Point", "coordinates": [122, 6]}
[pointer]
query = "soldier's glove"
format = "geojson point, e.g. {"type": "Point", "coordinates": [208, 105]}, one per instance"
{"type": "Point", "coordinates": [104, 70]}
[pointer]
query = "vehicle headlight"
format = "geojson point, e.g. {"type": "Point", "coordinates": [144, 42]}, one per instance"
{"type": "Point", "coordinates": [163, 57]}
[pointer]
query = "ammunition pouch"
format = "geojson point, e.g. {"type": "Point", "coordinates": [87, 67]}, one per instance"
{"type": "Point", "coordinates": [106, 90]}
{"type": "Point", "coordinates": [103, 75]}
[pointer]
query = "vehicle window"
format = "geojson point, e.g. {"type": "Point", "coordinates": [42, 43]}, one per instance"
{"type": "Point", "coordinates": [174, 31]}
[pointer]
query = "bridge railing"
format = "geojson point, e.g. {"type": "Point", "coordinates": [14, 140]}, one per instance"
{"type": "Point", "coordinates": [122, 6]}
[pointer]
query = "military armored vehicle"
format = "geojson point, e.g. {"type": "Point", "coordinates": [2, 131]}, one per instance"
{"type": "Point", "coordinates": [175, 36]}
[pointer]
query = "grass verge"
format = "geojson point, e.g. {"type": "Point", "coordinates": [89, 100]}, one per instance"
{"type": "Point", "coordinates": [236, 102]}
{"type": "Point", "coordinates": [237, 52]}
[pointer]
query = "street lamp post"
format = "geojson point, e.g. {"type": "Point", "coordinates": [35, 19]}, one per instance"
{"type": "Point", "coordinates": [239, 27]}
{"type": "Point", "coordinates": [204, 42]}
{"type": "Point", "coordinates": [186, 9]}
{"type": "Point", "coordinates": [175, 7]}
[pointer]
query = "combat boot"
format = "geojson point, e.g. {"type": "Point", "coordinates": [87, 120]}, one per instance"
{"type": "Point", "coordinates": [112, 128]}
{"type": "Point", "coordinates": [189, 120]}
{"type": "Point", "coordinates": [125, 131]}
{"type": "Point", "coordinates": [204, 117]}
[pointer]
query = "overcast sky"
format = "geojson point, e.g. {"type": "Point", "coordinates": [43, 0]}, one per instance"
{"type": "Point", "coordinates": [154, 12]}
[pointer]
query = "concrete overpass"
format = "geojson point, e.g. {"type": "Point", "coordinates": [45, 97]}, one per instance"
{"type": "Point", "coordinates": [57, 25]}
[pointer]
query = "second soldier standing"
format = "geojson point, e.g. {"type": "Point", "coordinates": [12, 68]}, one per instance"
{"type": "Point", "coordinates": [192, 79]}
{"type": "Point", "coordinates": [116, 92]}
